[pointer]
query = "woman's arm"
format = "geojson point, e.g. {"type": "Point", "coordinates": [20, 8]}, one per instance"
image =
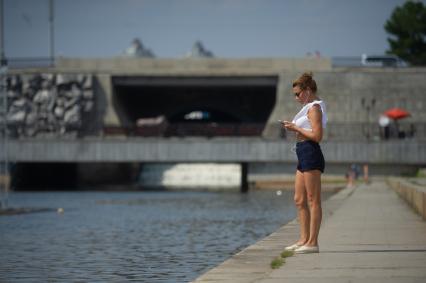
{"type": "Point", "coordinates": [315, 117]}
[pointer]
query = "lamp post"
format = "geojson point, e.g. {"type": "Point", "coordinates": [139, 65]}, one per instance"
{"type": "Point", "coordinates": [4, 165]}
{"type": "Point", "coordinates": [368, 106]}
{"type": "Point", "coordinates": [51, 32]}
{"type": "Point", "coordinates": [2, 57]}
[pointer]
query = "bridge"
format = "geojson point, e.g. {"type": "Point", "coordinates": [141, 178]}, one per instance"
{"type": "Point", "coordinates": [195, 149]}
{"type": "Point", "coordinates": [105, 99]}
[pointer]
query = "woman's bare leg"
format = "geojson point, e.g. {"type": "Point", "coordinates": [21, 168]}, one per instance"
{"type": "Point", "coordinates": [313, 188]}
{"type": "Point", "coordinates": [300, 199]}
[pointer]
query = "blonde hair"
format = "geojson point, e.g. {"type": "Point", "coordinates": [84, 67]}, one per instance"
{"type": "Point", "coordinates": [306, 81]}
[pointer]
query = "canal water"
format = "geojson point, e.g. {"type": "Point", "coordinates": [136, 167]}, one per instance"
{"type": "Point", "coordinates": [167, 236]}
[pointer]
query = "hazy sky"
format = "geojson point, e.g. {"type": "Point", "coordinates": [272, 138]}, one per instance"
{"type": "Point", "coordinates": [228, 28]}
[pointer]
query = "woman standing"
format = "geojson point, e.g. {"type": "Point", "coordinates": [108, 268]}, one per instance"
{"type": "Point", "coordinates": [308, 125]}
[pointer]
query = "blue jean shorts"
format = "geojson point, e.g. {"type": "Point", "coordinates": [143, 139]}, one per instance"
{"type": "Point", "coordinates": [309, 156]}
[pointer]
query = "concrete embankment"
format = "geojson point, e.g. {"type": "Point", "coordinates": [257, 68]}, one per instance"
{"type": "Point", "coordinates": [413, 191]}
{"type": "Point", "coordinates": [368, 235]}
{"type": "Point", "coordinates": [253, 263]}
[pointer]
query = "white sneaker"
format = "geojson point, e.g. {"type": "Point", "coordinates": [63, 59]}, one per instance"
{"type": "Point", "coordinates": [307, 250]}
{"type": "Point", "coordinates": [292, 247]}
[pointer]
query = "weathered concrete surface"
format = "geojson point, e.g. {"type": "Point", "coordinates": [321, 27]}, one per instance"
{"type": "Point", "coordinates": [371, 236]}
{"type": "Point", "coordinates": [199, 66]}
{"type": "Point", "coordinates": [253, 263]}
{"type": "Point", "coordinates": [413, 191]}
{"type": "Point", "coordinates": [348, 92]}
{"type": "Point", "coordinates": [208, 150]}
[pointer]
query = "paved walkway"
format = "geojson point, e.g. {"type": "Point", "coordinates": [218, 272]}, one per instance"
{"type": "Point", "coordinates": [368, 235]}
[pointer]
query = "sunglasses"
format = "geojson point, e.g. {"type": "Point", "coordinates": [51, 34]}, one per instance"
{"type": "Point", "coordinates": [297, 94]}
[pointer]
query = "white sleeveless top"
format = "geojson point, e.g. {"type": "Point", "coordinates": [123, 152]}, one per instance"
{"type": "Point", "coordinates": [301, 119]}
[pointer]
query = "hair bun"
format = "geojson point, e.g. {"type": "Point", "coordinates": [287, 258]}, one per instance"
{"type": "Point", "coordinates": [307, 75]}
{"type": "Point", "coordinates": [306, 80]}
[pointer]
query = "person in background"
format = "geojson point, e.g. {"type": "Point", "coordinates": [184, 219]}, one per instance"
{"type": "Point", "coordinates": [366, 174]}
{"type": "Point", "coordinates": [308, 125]}
{"type": "Point", "coordinates": [350, 178]}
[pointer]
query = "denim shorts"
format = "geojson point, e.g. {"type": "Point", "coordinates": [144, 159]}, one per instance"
{"type": "Point", "coordinates": [309, 156]}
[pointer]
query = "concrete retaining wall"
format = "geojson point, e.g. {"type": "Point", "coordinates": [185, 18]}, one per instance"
{"type": "Point", "coordinates": [414, 195]}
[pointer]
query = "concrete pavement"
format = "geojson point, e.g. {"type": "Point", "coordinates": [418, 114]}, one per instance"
{"type": "Point", "coordinates": [368, 234]}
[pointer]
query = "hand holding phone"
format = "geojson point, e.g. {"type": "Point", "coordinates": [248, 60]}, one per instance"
{"type": "Point", "coordinates": [288, 125]}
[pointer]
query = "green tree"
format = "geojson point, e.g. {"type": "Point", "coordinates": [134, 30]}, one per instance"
{"type": "Point", "coordinates": [407, 27]}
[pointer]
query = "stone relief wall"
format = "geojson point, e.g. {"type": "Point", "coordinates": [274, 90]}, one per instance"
{"type": "Point", "coordinates": [48, 104]}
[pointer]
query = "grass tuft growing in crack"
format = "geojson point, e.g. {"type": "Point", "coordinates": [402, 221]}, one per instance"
{"type": "Point", "coordinates": [285, 254]}
{"type": "Point", "coordinates": [277, 262]}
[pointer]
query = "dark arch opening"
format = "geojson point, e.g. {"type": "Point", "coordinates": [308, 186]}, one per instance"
{"type": "Point", "coordinates": [44, 176]}
{"type": "Point", "coordinates": [226, 101]}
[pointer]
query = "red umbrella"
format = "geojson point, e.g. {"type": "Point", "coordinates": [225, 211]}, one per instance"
{"type": "Point", "coordinates": [396, 113]}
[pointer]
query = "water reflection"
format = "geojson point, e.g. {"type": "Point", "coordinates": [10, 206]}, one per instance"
{"type": "Point", "coordinates": [133, 236]}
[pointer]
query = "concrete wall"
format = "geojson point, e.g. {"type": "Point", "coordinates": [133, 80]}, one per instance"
{"type": "Point", "coordinates": [104, 69]}
{"type": "Point", "coordinates": [343, 91]}
{"type": "Point", "coordinates": [199, 66]}
{"type": "Point", "coordinates": [209, 150]}
{"type": "Point", "coordinates": [108, 115]}
{"type": "Point", "coordinates": [414, 195]}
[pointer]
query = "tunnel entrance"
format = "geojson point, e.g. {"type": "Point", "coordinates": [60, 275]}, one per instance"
{"type": "Point", "coordinates": [39, 176]}
{"type": "Point", "coordinates": [44, 176]}
{"type": "Point", "coordinates": [196, 105]}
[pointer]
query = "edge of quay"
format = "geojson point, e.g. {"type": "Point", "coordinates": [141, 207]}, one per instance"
{"type": "Point", "coordinates": [413, 194]}
{"type": "Point", "coordinates": [253, 262]}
